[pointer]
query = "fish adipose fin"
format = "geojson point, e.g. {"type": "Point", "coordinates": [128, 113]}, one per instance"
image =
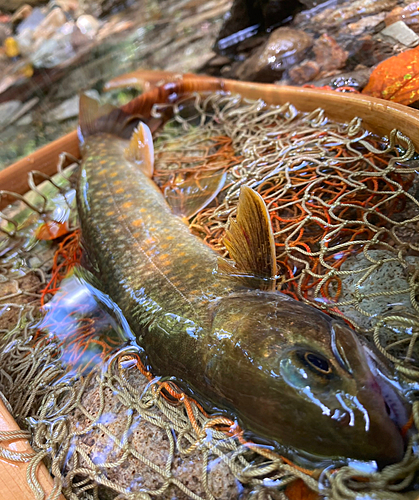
{"type": "Point", "coordinates": [103, 119]}
{"type": "Point", "coordinates": [187, 196]}
{"type": "Point", "coordinates": [250, 242]}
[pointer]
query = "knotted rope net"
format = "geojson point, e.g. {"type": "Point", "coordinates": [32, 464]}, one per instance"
{"type": "Point", "coordinates": [344, 209]}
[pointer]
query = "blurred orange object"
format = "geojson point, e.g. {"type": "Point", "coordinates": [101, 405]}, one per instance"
{"type": "Point", "coordinates": [51, 230]}
{"type": "Point", "coordinates": [396, 78]}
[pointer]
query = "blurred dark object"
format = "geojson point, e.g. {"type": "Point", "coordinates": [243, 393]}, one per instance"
{"type": "Point", "coordinates": [341, 81]}
{"type": "Point", "coordinates": [284, 48]}
{"type": "Point", "coordinates": [311, 4]}
{"type": "Point", "coordinates": [329, 54]}
{"type": "Point", "coordinates": [247, 18]}
{"type": "Point", "coordinates": [409, 14]}
{"type": "Point", "coordinates": [13, 5]}
{"type": "Point", "coordinates": [307, 41]}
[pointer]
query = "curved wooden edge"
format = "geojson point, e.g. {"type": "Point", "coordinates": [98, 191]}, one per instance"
{"type": "Point", "coordinates": [146, 80]}
{"type": "Point", "coordinates": [13, 483]}
{"type": "Point", "coordinates": [15, 177]}
{"type": "Point", "coordinates": [378, 116]}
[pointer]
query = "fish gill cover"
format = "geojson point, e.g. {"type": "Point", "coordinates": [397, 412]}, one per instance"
{"type": "Point", "coordinates": [344, 211]}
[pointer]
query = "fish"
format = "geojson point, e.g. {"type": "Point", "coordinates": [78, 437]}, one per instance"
{"type": "Point", "coordinates": [291, 374]}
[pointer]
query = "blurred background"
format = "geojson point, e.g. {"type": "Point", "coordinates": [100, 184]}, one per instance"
{"type": "Point", "coordinates": [50, 51]}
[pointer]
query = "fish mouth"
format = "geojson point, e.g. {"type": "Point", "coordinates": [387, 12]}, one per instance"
{"type": "Point", "coordinates": [390, 390]}
{"type": "Point", "coordinates": [395, 408]}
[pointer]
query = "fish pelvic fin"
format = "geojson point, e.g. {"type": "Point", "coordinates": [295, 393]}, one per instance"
{"type": "Point", "coordinates": [187, 196]}
{"type": "Point", "coordinates": [103, 119]}
{"type": "Point", "coordinates": [250, 242]}
{"type": "Point", "coordinates": [141, 149]}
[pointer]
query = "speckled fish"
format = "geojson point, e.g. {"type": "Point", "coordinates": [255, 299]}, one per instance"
{"type": "Point", "coordinates": [290, 373]}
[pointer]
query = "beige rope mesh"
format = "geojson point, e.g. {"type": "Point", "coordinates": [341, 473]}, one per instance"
{"type": "Point", "coordinates": [96, 427]}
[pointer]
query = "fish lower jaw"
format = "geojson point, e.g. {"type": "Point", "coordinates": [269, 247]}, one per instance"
{"type": "Point", "coordinates": [308, 460]}
{"type": "Point", "coordinates": [311, 460]}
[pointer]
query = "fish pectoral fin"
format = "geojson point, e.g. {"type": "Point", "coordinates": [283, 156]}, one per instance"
{"type": "Point", "coordinates": [187, 197]}
{"type": "Point", "coordinates": [141, 149]}
{"type": "Point", "coordinates": [103, 119]}
{"type": "Point", "coordinates": [250, 240]}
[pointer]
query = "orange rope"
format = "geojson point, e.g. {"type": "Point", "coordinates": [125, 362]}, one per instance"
{"type": "Point", "coordinates": [66, 257]}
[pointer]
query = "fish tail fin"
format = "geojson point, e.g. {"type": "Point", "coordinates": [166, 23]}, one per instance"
{"type": "Point", "coordinates": [103, 119]}
{"type": "Point", "coordinates": [108, 119]}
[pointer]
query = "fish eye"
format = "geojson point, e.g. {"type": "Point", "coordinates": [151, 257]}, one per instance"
{"type": "Point", "coordinates": [317, 363]}
{"type": "Point", "coordinates": [301, 368]}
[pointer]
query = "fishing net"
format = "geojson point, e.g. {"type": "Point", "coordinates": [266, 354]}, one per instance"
{"type": "Point", "coordinates": [344, 210]}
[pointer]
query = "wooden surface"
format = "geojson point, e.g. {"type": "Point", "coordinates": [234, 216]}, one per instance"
{"type": "Point", "coordinates": [13, 484]}
{"type": "Point", "coordinates": [15, 177]}
{"type": "Point", "coordinates": [378, 116]}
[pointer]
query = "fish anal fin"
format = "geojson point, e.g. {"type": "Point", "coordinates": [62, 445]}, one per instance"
{"type": "Point", "coordinates": [187, 197]}
{"type": "Point", "coordinates": [249, 239]}
{"type": "Point", "coordinates": [141, 150]}
{"type": "Point", "coordinates": [95, 118]}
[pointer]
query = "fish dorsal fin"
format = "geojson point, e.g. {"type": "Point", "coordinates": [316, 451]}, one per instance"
{"type": "Point", "coordinates": [141, 149]}
{"type": "Point", "coordinates": [102, 119]}
{"type": "Point", "coordinates": [250, 240]}
{"type": "Point", "coordinates": [187, 197]}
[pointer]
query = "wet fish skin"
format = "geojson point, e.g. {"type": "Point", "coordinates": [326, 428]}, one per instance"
{"type": "Point", "coordinates": [242, 349]}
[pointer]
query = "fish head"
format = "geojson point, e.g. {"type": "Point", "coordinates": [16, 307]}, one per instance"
{"type": "Point", "coordinates": [314, 388]}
